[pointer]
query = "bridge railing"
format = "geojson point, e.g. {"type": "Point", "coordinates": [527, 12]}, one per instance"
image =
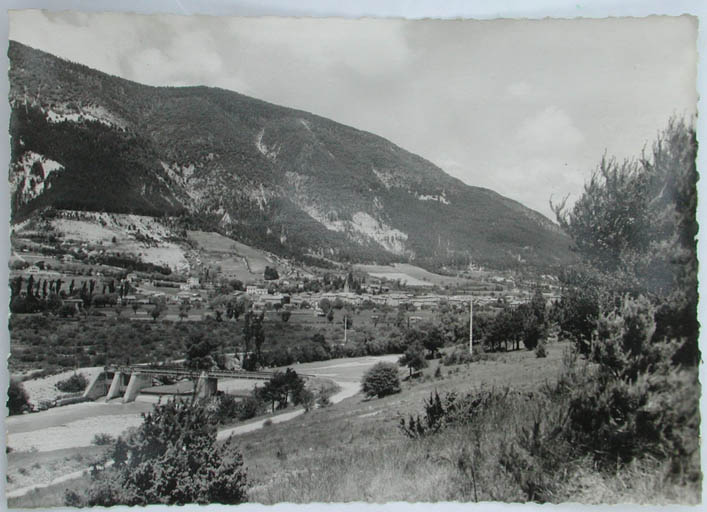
{"type": "Point", "coordinates": [188, 372]}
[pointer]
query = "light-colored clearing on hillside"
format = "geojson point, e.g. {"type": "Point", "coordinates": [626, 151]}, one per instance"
{"type": "Point", "coordinates": [414, 276]}
{"type": "Point", "coordinates": [233, 257]}
{"type": "Point", "coordinates": [85, 231]}
{"type": "Point", "coordinates": [169, 254]}
{"type": "Point", "coordinates": [404, 278]}
{"type": "Point", "coordinates": [117, 233]}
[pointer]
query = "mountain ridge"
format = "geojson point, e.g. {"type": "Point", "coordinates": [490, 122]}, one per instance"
{"type": "Point", "coordinates": [286, 180]}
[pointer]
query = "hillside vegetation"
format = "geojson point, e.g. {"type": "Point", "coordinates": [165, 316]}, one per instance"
{"type": "Point", "coordinates": [283, 180]}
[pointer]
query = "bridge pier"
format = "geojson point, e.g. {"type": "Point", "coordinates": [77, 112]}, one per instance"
{"type": "Point", "coordinates": [97, 387]}
{"type": "Point", "coordinates": [137, 382]}
{"type": "Point", "coordinates": [116, 386]}
{"type": "Point", "coordinates": [206, 386]}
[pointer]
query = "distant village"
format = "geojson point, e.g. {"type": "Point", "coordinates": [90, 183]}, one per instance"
{"type": "Point", "coordinates": [295, 292]}
{"type": "Point", "coordinates": [85, 274]}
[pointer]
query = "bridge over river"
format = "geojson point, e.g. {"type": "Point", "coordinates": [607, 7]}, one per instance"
{"type": "Point", "coordinates": [128, 381]}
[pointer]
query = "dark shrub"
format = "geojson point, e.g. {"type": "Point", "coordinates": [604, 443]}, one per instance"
{"type": "Point", "coordinates": [381, 380]}
{"type": "Point", "coordinates": [452, 410]}
{"type": "Point", "coordinates": [225, 408]}
{"type": "Point", "coordinates": [537, 455]}
{"type": "Point", "coordinates": [74, 384]}
{"type": "Point", "coordinates": [17, 398]}
{"type": "Point", "coordinates": [249, 408]}
{"type": "Point", "coordinates": [457, 356]}
{"type": "Point", "coordinates": [228, 408]}
{"type": "Point", "coordinates": [102, 439]}
{"type": "Point", "coordinates": [617, 420]}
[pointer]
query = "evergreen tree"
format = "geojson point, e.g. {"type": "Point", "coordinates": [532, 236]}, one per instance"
{"type": "Point", "coordinates": [173, 459]}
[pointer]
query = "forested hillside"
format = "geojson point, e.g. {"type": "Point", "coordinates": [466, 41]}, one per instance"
{"type": "Point", "coordinates": [281, 179]}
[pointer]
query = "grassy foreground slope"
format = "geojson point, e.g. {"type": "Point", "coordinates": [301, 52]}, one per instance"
{"type": "Point", "coordinates": [355, 451]}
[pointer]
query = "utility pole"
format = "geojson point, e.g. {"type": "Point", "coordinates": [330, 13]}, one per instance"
{"type": "Point", "coordinates": [471, 325]}
{"type": "Point", "coordinates": [345, 324]}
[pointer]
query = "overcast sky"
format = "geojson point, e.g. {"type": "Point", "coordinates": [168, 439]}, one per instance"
{"type": "Point", "coordinates": [526, 108]}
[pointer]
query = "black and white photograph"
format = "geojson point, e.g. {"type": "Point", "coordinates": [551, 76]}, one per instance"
{"type": "Point", "coordinates": [324, 259]}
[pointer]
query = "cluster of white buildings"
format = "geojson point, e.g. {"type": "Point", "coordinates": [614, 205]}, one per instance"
{"type": "Point", "coordinates": [260, 298]}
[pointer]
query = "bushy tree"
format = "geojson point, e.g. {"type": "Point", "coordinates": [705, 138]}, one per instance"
{"type": "Point", "coordinates": [635, 227]}
{"type": "Point", "coordinates": [636, 403]}
{"type": "Point", "coordinates": [173, 459]}
{"type": "Point", "coordinates": [281, 388]}
{"type": "Point", "coordinates": [532, 321]}
{"type": "Point", "coordinates": [200, 351]}
{"type": "Point", "coordinates": [325, 305]}
{"type": "Point", "coordinates": [414, 358]}
{"type": "Point", "coordinates": [26, 304]}
{"type": "Point", "coordinates": [228, 408]}
{"type": "Point", "coordinates": [427, 334]}
{"type": "Point", "coordinates": [578, 312]}
{"type": "Point", "coordinates": [307, 399]}
{"type": "Point", "coordinates": [271, 274]}
{"type": "Point", "coordinates": [381, 380]}
{"type": "Point", "coordinates": [240, 307]}
{"type": "Point", "coordinates": [17, 397]}
{"type": "Point", "coordinates": [103, 300]}
{"type": "Point", "coordinates": [623, 345]}
{"type": "Point", "coordinates": [506, 327]}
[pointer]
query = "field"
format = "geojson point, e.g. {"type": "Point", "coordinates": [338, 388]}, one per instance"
{"type": "Point", "coordinates": [236, 260]}
{"type": "Point", "coordinates": [412, 275]}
